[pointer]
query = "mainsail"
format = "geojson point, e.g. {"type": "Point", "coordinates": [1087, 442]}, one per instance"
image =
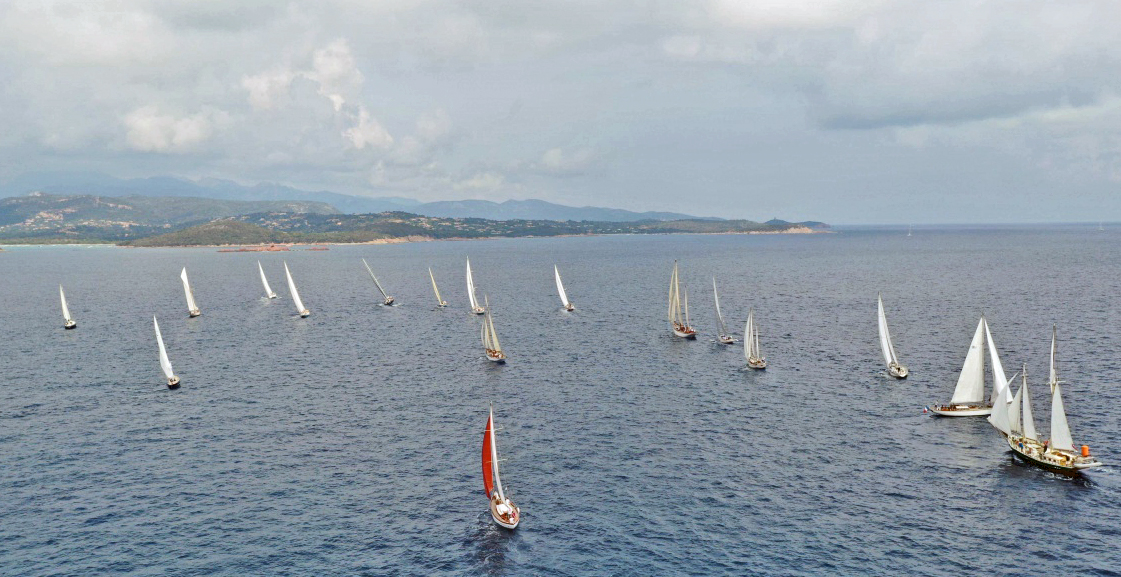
{"type": "Point", "coordinates": [376, 283]}
{"type": "Point", "coordinates": [719, 316]}
{"type": "Point", "coordinates": [751, 337]}
{"type": "Point", "coordinates": [292, 289]}
{"type": "Point", "coordinates": [492, 481]}
{"type": "Point", "coordinates": [265, 281]}
{"type": "Point", "coordinates": [490, 336]}
{"type": "Point", "coordinates": [471, 288]}
{"type": "Point", "coordinates": [674, 314]}
{"type": "Point", "coordinates": [885, 336]}
{"type": "Point", "coordinates": [560, 287]}
{"type": "Point", "coordinates": [191, 305]}
{"type": "Point", "coordinates": [165, 363]}
{"type": "Point", "coordinates": [971, 382]}
{"type": "Point", "coordinates": [1000, 382]}
{"type": "Point", "coordinates": [65, 309]}
{"type": "Point", "coordinates": [1028, 423]}
{"type": "Point", "coordinates": [1054, 376]}
{"type": "Point", "coordinates": [439, 301]}
{"type": "Point", "coordinates": [1060, 430]}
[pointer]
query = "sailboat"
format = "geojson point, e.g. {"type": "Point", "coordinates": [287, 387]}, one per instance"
{"type": "Point", "coordinates": [893, 367]}
{"type": "Point", "coordinates": [300, 308]}
{"type": "Point", "coordinates": [568, 306]}
{"type": "Point", "coordinates": [69, 324]}
{"type": "Point", "coordinates": [502, 509]}
{"type": "Point", "coordinates": [387, 300]}
{"type": "Point", "coordinates": [490, 338]}
{"type": "Point", "coordinates": [192, 307]}
{"type": "Point", "coordinates": [908, 230]}
{"type": "Point", "coordinates": [969, 394]}
{"type": "Point", "coordinates": [265, 281]}
{"type": "Point", "coordinates": [754, 356]}
{"type": "Point", "coordinates": [165, 363]}
{"type": "Point", "coordinates": [722, 338]}
{"type": "Point", "coordinates": [1057, 453]}
{"type": "Point", "coordinates": [475, 308]}
{"type": "Point", "coordinates": [678, 313]}
{"type": "Point", "coordinates": [441, 303]}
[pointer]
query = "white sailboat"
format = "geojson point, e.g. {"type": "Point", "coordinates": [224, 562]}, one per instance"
{"type": "Point", "coordinates": [969, 394]}
{"type": "Point", "coordinates": [69, 322]}
{"type": "Point", "coordinates": [192, 307]}
{"type": "Point", "coordinates": [678, 312]}
{"type": "Point", "coordinates": [568, 306]}
{"type": "Point", "coordinates": [490, 338]}
{"type": "Point", "coordinates": [165, 363]}
{"type": "Point", "coordinates": [502, 509]}
{"type": "Point", "coordinates": [475, 308]}
{"type": "Point", "coordinates": [441, 303]}
{"type": "Point", "coordinates": [265, 281]}
{"type": "Point", "coordinates": [908, 230]}
{"type": "Point", "coordinates": [893, 367]}
{"type": "Point", "coordinates": [300, 308]}
{"type": "Point", "coordinates": [386, 299]}
{"type": "Point", "coordinates": [751, 351]}
{"type": "Point", "coordinates": [723, 337]}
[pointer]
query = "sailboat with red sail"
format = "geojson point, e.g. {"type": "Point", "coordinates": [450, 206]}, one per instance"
{"type": "Point", "coordinates": [502, 509]}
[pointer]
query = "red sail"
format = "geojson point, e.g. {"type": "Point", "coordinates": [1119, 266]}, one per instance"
{"type": "Point", "coordinates": [488, 467]}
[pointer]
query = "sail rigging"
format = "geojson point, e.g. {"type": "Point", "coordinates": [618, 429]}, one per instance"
{"type": "Point", "coordinates": [1060, 430]}
{"type": "Point", "coordinates": [65, 309]}
{"type": "Point", "coordinates": [385, 297]}
{"type": "Point", "coordinates": [192, 307]}
{"type": "Point", "coordinates": [439, 301]}
{"type": "Point", "coordinates": [886, 346]}
{"type": "Point", "coordinates": [971, 382]}
{"type": "Point", "coordinates": [165, 363]}
{"type": "Point", "coordinates": [471, 291]}
{"type": "Point", "coordinates": [719, 315]}
{"type": "Point", "coordinates": [265, 282]}
{"type": "Point", "coordinates": [560, 288]}
{"type": "Point", "coordinates": [295, 294]}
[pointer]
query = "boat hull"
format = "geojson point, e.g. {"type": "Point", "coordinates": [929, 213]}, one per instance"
{"type": "Point", "coordinates": [511, 523]}
{"type": "Point", "coordinates": [571, 307]}
{"type": "Point", "coordinates": [173, 383]}
{"type": "Point", "coordinates": [70, 325]}
{"type": "Point", "coordinates": [479, 310]}
{"type": "Point", "coordinates": [1033, 453]}
{"type": "Point", "coordinates": [304, 313]}
{"type": "Point", "coordinates": [685, 333]}
{"type": "Point", "coordinates": [961, 410]}
{"type": "Point", "coordinates": [499, 358]}
{"type": "Point", "coordinates": [725, 340]}
{"type": "Point", "coordinates": [272, 295]}
{"type": "Point", "coordinates": [757, 364]}
{"type": "Point", "coordinates": [194, 313]}
{"type": "Point", "coordinates": [388, 301]}
{"type": "Point", "coordinates": [898, 371]}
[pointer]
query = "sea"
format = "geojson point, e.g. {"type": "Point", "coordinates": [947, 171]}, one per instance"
{"type": "Point", "coordinates": [349, 442]}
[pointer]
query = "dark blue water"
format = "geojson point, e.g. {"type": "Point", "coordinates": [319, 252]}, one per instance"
{"type": "Point", "coordinates": [348, 443]}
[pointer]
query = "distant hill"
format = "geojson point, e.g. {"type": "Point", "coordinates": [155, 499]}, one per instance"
{"type": "Point", "coordinates": [218, 232]}
{"type": "Point", "coordinates": [93, 183]}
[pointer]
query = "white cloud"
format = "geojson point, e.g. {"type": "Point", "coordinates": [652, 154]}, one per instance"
{"type": "Point", "coordinates": [268, 89]}
{"type": "Point", "coordinates": [481, 181]}
{"type": "Point", "coordinates": [333, 67]}
{"type": "Point", "coordinates": [149, 130]}
{"type": "Point", "coordinates": [368, 132]}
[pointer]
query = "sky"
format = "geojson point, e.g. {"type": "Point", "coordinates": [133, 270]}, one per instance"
{"type": "Point", "coordinates": [857, 111]}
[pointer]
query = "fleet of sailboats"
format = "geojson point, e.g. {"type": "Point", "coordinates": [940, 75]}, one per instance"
{"type": "Point", "coordinates": [192, 307]}
{"type": "Point", "coordinates": [386, 299]}
{"type": "Point", "coordinates": [568, 306]}
{"type": "Point", "coordinates": [722, 335]}
{"type": "Point", "coordinates": [751, 351]}
{"type": "Point", "coordinates": [475, 308]}
{"type": "Point", "coordinates": [679, 309]}
{"type": "Point", "coordinates": [894, 368]}
{"type": "Point", "coordinates": [490, 338]}
{"type": "Point", "coordinates": [265, 281]}
{"type": "Point", "coordinates": [68, 321]}
{"type": "Point", "coordinates": [300, 308]}
{"type": "Point", "coordinates": [440, 303]}
{"type": "Point", "coordinates": [502, 509]}
{"type": "Point", "coordinates": [165, 363]}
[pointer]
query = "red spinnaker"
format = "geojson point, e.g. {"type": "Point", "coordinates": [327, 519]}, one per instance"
{"type": "Point", "coordinates": [488, 466]}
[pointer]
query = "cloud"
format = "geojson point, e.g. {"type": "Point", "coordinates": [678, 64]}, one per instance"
{"type": "Point", "coordinates": [558, 162]}
{"type": "Point", "coordinates": [268, 89]}
{"type": "Point", "coordinates": [368, 132]}
{"type": "Point", "coordinates": [149, 130]}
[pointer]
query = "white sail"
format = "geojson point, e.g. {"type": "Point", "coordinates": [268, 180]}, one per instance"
{"type": "Point", "coordinates": [191, 305]}
{"type": "Point", "coordinates": [490, 336]}
{"type": "Point", "coordinates": [65, 309]}
{"type": "Point", "coordinates": [971, 382]}
{"type": "Point", "coordinates": [751, 337]}
{"type": "Point", "coordinates": [1027, 423]}
{"type": "Point", "coordinates": [1000, 382]}
{"type": "Point", "coordinates": [265, 282]}
{"type": "Point", "coordinates": [885, 336]}
{"type": "Point", "coordinates": [376, 283]}
{"type": "Point", "coordinates": [685, 307]}
{"type": "Point", "coordinates": [1014, 413]}
{"type": "Point", "coordinates": [292, 289]}
{"type": "Point", "coordinates": [1054, 376]}
{"type": "Point", "coordinates": [756, 348]}
{"type": "Point", "coordinates": [471, 287]}
{"type": "Point", "coordinates": [165, 363]}
{"type": "Point", "coordinates": [560, 287]}
{"type": "Point", "coordinates": [494, 458]}
{"type": "Point", "coordinates": [1060, 430]}
{"type": "Point", "coordinates": [674, 314]}
{"type": "Point", "coordinates": [439, 301]}
{"type": "Point", "coordinates": [719, 315]}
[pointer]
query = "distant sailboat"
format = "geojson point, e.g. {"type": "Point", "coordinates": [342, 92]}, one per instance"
{"type": "Point", "coordinates": [386, 299]}
{"type": "Point", "coordinates": [69, 324]}
{"type": "Point", "coordinates": [165, 363]}
{"type": "Point", "coordinates": [893, 367]}
{"type": "Point", "coordinates": [475, 308]}
{"type": "Point", "coordinates": [568, 306]}
{"type": "Point", "coordinates": [300, 308]}
{"type": "Point", "coordinates": [751, 351]}
{"type": "Point", "coordinates": [265, 281]}
{"type": "Point", "coordinates": [679, 312]}
{"type": "Point", "coordinates": [969, 394]}
{"type": "Point", "coordinates": [908, 230]}
{"type": "Point", "coordinates": [192, 307]}
{"type": "Point", "coordinates": [490, 338]}
{"type": "Point", "coordinates": [723, 337]}
{"type": "Point", "coordinates": [502, 509]}
{"type": "Point", "coordinates": [439, 301]}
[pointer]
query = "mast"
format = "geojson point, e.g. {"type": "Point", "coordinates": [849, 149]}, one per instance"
{"type": "Point", "coordinates": [758, 350]}
{"type": "Point", "coordinates": [376, 283]}
{"type": "Point", "coordinates": [439, 300]}
{"type": "Point", "coordinates": [971, 382]}
{"type": "Point", "coordinates": [265, 281]}
{"type": "Point", "coordinates": [65, 309]}
{"type": "Point", "coordinates": [560, 287]}
{"type": "Point", "coordinates": [1054, 376]}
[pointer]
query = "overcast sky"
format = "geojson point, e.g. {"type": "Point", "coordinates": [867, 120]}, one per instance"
{"type": "Point", "coordinates": [859, 111]}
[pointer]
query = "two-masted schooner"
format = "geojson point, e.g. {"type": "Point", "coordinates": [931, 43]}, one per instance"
{"type": "Point", "coordinates": [894, 368]}
{"type": "Point", "coordinates": [722, 336]}
{"type": "Point", "coordinates": [679, 309]}
{"type": "Point", "coordinates": [751, 351]}
{"type": "Point", "coordinates": [969, 394]}
{"type": "Point", "coordinates": [568, 306]}
{"type": "Point", "coordinates": [502, 509]}
{"type": "Point", "coordinates": [475, 308]}
{"type": "Point", "coordinates": [165, 363]}
{"type": "Point", "coordinates": [68, 322]}
{"type": "Point", "coordinates": [440, 303]}
{"type": "Point", "coordinates": [192, 307]}
{"type": "Point", "coordinates": [300, 308]}
{"type": "Point", "coordinates": [265, 282]}
{"type": "Point", "coordinates": [386, 299]}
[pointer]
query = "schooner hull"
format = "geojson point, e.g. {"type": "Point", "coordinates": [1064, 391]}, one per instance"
{"type": "Point", "coordinates": [496, 359]}
{"type": "Point", "coordinates": [760, 365]}
{"type": "Point", "coordinates": [685, 334]}
{"type": "Point", "coordinates": [961, 410]}
{"type": "Point", "coordinates": [1057, 461]}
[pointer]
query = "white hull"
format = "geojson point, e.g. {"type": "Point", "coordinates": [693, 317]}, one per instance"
{"type": "Point", "coordinates": [194, 313]}
{"type": "Point", "coordinates": [898, 371]}
{"type": "Point", "coordinates": [685, 334]}
{"type": "Point", "coordinates": [499, 358]}
{"type": "Point", "coordinates": [759, 365]}
{"type": "Point", "coordinates": [517, 518]}
{"type": "Point", "coordinates": [70, 325]}
{"type": "Point", "coordinates": [479, 310]}
{"type": "Point", "coordinates": [571, 307]}
{"type": "Point", "coordinates": [272, 295]}
{"type": "Point", "coordinates": [304, 314]}
{"type": "Point", "coordinates": [725, 340]}
{"type": "Point", "coordinates": [961, 410]}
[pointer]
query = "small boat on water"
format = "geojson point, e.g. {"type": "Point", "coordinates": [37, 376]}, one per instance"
{"type": "Point", "coordinates": [386, 299]}
{"type": "Point", "coordinates": [751, 350]}
{"type": "Point", "coordinates": [893, 367]}
{"type": "Point", "coordinates": [192, 307]}
{"type": "Point", "coordinates": [678, 310]}
{"type": "Point", "coordinates": [265, 281]}
{"type": "Point", "coordinates": [300, 308]}
{"type": "Point", "coordinates": [969, 394]}
{"type": "Point", "coordinates": [490, 338]}
{"type": "Point", "coordinates": [502, 509]}
{"type": "Point", "coordinates": [475, 308]}
{"type": "Point", "coordinates": [165, 363]}
{"type": "Point", "coordinates": [723, 337]}
{"type": "Point", "coordinates": [69, 322]}
{"type": "Point", "coordinates": [568, 306]}
{"type": "Point", "coordinates": [440, 303]}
